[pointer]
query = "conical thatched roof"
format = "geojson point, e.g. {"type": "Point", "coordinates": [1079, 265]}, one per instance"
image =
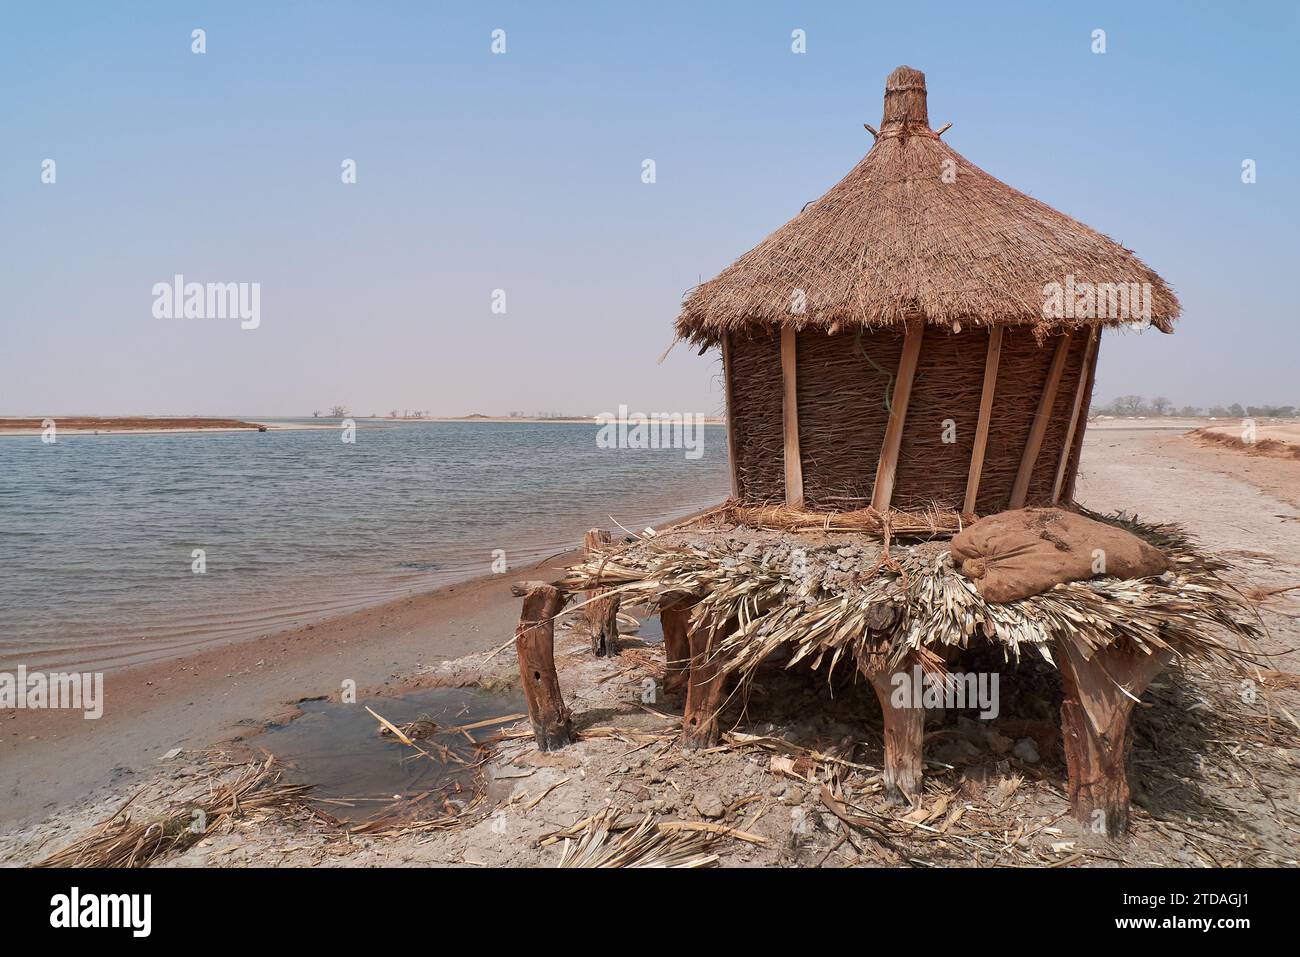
{"type": "Point", "coordinates": [917, 229]}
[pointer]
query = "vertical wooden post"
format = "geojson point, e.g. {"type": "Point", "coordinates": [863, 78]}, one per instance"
{"type": "Point", "coordinates": [704, 692]}
{"type": "Point", "coordinates": [601, 614]}
{"type": "Point", "coordinates": [790, 421]}
{"type": "Point", "coordinates": [904, 729]}
{"type": "Point", "coordinates": [1072, 474]}
{"type": "Point", "coordinates": [1020, 490]}
{"type": "Point", "coordinates": [982, 423]}
{"type": "Point", "coordinates": [1068, 447]}
{"type": "Point", "coordinates": [675, 617]}
{"type": "Point", "coordinates": [888, 463]}
{"type": "Point", "coordinates": [731, 420]}
{"type": "Point", "coordinates": [535, 646]}
{"type": "Point", "coordinates": [1099, 696]}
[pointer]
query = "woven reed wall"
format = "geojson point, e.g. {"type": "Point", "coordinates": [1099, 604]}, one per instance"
{"type": "Point", "coordinates": [1049, 457]}
{"type": "Point", "coordinates": [1022, 373]}
{"type": "Point", "coordinates": [1076, 451]}
{"type": "Point", "coordinates": [844, 383]}
{"type": "Point", "coordinates": [759, 440]}
{"type": "Point", "coordinates": [948, 382]}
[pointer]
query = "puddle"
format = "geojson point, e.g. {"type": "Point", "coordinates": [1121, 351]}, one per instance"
{"type": "Point", "coordinates": [360, 775]}
{"type": "Point", "coordinates": [651, 631]}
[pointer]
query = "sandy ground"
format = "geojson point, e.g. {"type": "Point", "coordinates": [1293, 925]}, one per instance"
{"type": "Point", "coordinates": [1214, 776]}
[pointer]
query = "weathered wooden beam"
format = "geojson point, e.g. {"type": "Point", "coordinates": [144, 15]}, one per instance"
{"type": "Point", "coordinates": [1067, 448]}
{"type": "Point", "coordinates": [1100, 693]}
{"type": "Point", "coordinates": [601, 609]}
{"type": "Point", "coordinates": [535, 647]}
{"type": "Point", "coordinates": [675, 617]}
{"type": "Point", "coordinates": [790, 421]}
{"type": "Point", "coordinates": [985, 416]}
{"type": "Point", "coordinates": [731, 420]}
{"type": "Point", "coordinates": [888, 464]}
{"type": "Point", "coordinates": [704, 691]}
{"type": "Point", "coordinates": [1072, 474]}
{"type": "Point", "coordinates": [904, 729]}
{"type": "Point", "coordinates": [1020, 490]}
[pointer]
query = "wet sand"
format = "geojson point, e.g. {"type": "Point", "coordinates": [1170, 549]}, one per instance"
{"type": "Point", "coordinates": [51, 757]}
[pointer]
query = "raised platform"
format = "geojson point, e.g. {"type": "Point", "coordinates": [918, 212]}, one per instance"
{"type": "Point", "coordinates": [732, 596]}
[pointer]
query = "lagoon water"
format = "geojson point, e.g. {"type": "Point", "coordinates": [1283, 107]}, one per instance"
{"type": "Point", "coordinates": [97, 532]}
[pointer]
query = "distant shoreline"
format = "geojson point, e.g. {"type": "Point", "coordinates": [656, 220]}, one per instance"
{"type": "Point", "coordinates": [160, 425]}
{"type": "Point", "coordinates": [140, 425]}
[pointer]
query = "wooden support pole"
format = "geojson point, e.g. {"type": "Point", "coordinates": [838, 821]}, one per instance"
{"type": "Point", "coordinates": [982, 423]}
{"type": "Point", "coordinates": [1020, 490]}
{"type": "Point", "coordinates": [731, 419]}
{"type": "Point", "coordinates": [1080, 394]}
{"type": "Point", "coordinates": [1094, 724]}
{"type": "Point", "coordinates": [675, 617]}
{"type": "Point", "coordinates": [535, 646]}
{"type": "Point", "coordinates": [601, 614]}
{"type": "Point", "coordinates": [790, 421]}
{"type": "Point", "coordinates": [704, 692]}
{"type": "Point", "coordinates": [888, 463]}
{"type": "Point", "coordinates": [904, 730]}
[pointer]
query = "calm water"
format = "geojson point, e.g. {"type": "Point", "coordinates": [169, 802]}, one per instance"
{"type": "Point", "coordinates": [96, 532]}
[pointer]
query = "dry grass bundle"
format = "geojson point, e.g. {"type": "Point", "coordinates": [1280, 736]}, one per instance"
{"type": "Point", "coordinates": [924, 523]}
{"type": "Point", "coordinates": [828, 601]}
{"type": "Point", "coordinates": [895, 238]}
{"type": "Point", "coordinates": [121, 841]}
{"type": "Point", "coordinates": [646, 845]}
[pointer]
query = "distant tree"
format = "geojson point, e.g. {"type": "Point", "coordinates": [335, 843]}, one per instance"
{"type": "Point", "coordinates": [392, 414]}
{"type": "Point", "coordinates": [338, 411]}
{"type": "Point", "coordinates": [316, 414]}
{"type": "Point", "coordinates": [1189, 411]}
{"type": "Point", "coordinates": [1160, 405]}
{"type": "Point", "coordinates": [1236, 411]}
{"type": "Point", "coordinates": [1130, 405]}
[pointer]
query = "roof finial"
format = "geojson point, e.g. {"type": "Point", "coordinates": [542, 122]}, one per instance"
{"type": "Point", "coordinates": [905, 100]}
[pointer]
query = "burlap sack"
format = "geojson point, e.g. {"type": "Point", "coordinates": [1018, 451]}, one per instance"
{"type": "Point", "coordinates": [1016, 554]}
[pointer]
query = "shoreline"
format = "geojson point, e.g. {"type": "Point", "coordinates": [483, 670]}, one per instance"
{"type": "Point", "coordinates": [221, 693]}
{"type": "Point", "coordinates": [114, 425]}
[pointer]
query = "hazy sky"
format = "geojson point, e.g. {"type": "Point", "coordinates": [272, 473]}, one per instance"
{"type": "Point", "coordinates": [522, 172]}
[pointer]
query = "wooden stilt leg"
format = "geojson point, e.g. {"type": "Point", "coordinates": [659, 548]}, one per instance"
{"type": "Point", "coordinates": [602, 614]}
{"type": "Point", "coordinates": [535, 646]}
{"type": "Point", "coordinates": [904, 729]}
{"type": "Point", "coordinates": [704, 693]}
{"type": "Point", "coordinates": [1094, 723]}
{"type": "Point", "coordinates": [675, 617]}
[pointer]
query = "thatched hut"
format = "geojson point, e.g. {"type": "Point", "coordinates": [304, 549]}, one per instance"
{"type": "Point", "coordinates": [922, 339]}
{"type": "Point", "coordinates": [923, 336]}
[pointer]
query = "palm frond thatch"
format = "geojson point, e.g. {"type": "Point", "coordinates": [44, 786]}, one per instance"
{"type": "Point", "coordinates": [646, 845]}
{"type": "Point", "coordinates": [829, 598]}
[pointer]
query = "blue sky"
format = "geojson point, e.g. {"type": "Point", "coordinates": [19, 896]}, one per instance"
{"type": "Point", "coordinates": [522, 172]}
